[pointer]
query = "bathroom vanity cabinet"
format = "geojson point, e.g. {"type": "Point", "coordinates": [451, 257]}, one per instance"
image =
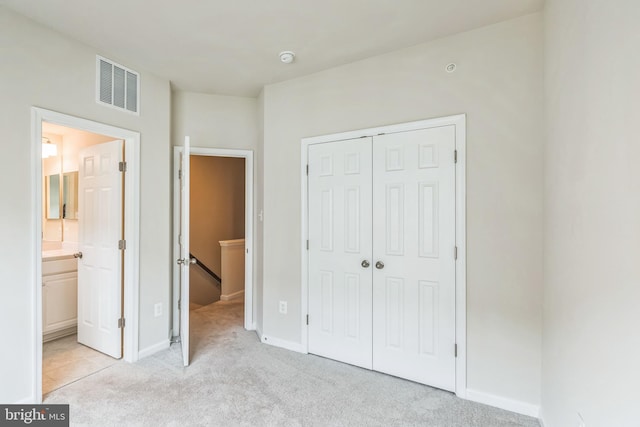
{"type": "Point", "coordinates": [59, 296]}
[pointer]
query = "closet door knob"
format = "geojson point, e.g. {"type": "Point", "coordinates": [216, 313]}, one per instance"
{"type": "Point", "coordinates": [78, 255]}
{"type": "Point", "coordinates": [365, 264]}
{"type": "Point", "coordinates": [379, 265]}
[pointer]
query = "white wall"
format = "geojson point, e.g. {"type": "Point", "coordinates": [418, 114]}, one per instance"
{"type": "Point", "coordinates": [498, 85]}
{"type": "Point", "coordinates": [259, 237]}
{"type": "Point", "coordinates": [39, 67]}
{"type": "Point", "coordinates": [217, 121]}
{"type": "Point", "coordinates": [591, 347]}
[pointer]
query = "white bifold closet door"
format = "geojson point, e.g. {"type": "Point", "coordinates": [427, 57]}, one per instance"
{"type": "Point", "coordinates": [340, 251]}
{"type": "Point", "coordinates": [381, 253]}
{"type": "Point", "coordinates": [414, 237]}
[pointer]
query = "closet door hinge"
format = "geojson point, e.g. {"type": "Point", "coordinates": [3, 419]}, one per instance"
{"type": "Point", "coordinates": [455, 252]}
{"type": "Point", "coordinates": [455, 350]}
{"type": "Point", "coordinates": [178, 304]}
{"type": "Point", "coordinates": [122, 166]}
{"type": "Point", "coordinates": [307, 170]}
{"type": "Point", "coordinates": [122, 245]}
{"type": "Point", "coordinates": [307, 319]}
{"type": "Point", "coordinates": [455, 156]}
{"type": "Point", "coordinates": [121, 323]}
{"type": "Point", "coordinates": [307, 244]}
{"type": "Point", "coordinates": [180, 174]}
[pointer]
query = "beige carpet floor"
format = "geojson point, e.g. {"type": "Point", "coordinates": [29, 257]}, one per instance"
{"type": "Point", "coordinates": [234, 380]}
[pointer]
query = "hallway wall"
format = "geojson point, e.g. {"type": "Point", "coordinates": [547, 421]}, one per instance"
{"type": "Point", "coordinates": [216, 213]}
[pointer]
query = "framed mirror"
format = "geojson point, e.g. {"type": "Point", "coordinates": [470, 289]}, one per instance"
{"type": "Point", "coordinates": [52, 183]}
{"type": "Point", "coordinates": [62, 200]}
{"type": "Point", "coordinates": [70, 195]}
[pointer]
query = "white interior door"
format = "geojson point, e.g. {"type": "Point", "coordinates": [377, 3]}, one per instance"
{"type": "Point", "coordinates": [413, 255]}
{"type": "Point", "coordinates": [184, 260]}
{"type": "Point", "coordinates": [100, 219]}
{"type": "Point", "coordinates": [340, 251]}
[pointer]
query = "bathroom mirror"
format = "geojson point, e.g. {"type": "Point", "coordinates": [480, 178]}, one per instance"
{"type": "Point", "coordinates": [70, 195]}
{"type": "Point", "coordinates": [62, 205]}
{"type": "Point", "coordinates": [53, 196]}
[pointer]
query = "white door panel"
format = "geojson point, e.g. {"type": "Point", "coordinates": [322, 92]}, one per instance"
{"type": "Point", "coordinates": [414, 240]}
{"type": "Point", "coordinates": [100, 229]}
{"type": "Point", "coordinates": [185, 259]}
{"type": "Point", "coordinates": [339, 242]}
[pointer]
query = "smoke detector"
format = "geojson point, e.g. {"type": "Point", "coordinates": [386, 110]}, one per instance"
{"type": "Point", "coordinates": [287, 57]}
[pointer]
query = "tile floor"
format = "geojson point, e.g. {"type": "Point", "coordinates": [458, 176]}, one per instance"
{"type": "Point", "coordinates": [65, 361]}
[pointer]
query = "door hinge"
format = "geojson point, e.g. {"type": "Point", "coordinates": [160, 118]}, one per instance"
{"type": "Point", "coordinates": [307, 170]}
{"type": "Point", "coordinates": [122, 244]}
{"type": "Point", "coordinates": [455, 350]}
{"type": "Point", "coordinates": [121, 323]}
{"type": "Point", "coordinates": [307, 319]}
{"type": "Point", "coordinates": [455, 252]}
{"type": "Point", "coordinates": [179, 304]}
{"type": "Point", "coordinates": [307, 244]}
{"type": "Point", "coordinates": [180, 174]}
{"type": "Point", "coordinates": [122, 166]}
{"type": "Point", "coordinates": [455, 156]}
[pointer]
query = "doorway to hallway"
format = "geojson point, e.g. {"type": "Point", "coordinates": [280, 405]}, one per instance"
{"type": "Point", "coordinates": [213, 229]}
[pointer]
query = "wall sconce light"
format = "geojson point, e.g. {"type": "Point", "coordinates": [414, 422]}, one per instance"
{"type": "Point", "coordinates": [48, 149]}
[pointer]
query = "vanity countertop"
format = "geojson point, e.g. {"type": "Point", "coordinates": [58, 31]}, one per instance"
{"type": "Point", "coordinates": [57, 254]}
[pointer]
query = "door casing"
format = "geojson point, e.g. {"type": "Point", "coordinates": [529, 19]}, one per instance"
{"type": "Point", "coordinates": [459, 121]}
{"type": "Point", "coordinates": [131, 227]}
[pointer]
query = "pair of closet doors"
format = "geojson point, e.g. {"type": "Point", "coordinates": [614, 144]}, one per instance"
{"type": "Point", "coordinates": [381, 228]}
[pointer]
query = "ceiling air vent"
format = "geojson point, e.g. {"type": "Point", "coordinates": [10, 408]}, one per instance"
{"type": "Point", "coordinates": [117, 86]}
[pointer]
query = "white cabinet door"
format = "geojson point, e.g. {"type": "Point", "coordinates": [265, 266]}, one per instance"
{"type": "Point", "coordinates": [59, 301]}
{"type": "Point", "coordinates": [413, 255]}
{"type": "Point", "coordinates": [100, 229]}
{"type": "Point", "coordinates": [339, 251]}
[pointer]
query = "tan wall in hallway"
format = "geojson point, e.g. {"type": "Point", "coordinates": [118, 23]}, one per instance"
{"type": "Point", "coordinates": [217, 206]}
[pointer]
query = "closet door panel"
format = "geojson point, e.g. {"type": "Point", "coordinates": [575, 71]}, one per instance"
{"type": "Point", "coordinates": [340, 302]}
{"type": "Point", "coordinates": [413, 254]}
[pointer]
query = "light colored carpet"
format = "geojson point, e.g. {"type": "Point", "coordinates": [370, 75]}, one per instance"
{"type": "Point", "coordinates": [234, 380]}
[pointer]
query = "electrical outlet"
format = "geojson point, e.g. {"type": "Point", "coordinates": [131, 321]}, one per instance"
{"type": "Point", "coordinates": [283, 307]}
{"type": "Point", "coordinates": [157, 309]}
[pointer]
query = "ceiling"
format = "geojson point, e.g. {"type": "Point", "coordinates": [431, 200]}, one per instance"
{"type": "Point", "coordinates": [231, 47]}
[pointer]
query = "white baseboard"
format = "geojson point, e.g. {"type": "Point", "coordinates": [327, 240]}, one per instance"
{"type": "Point", "coordinates": [504, 403]}
{"type": "Point", "coordinates": [235, 295]}
{"type": "Point", "coordinates": [163, 345]}
{"type": "Point", "coordinates": [277, 342]}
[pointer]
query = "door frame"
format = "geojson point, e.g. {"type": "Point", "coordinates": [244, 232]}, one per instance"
{"type": "Point", "coordinates": [459, 121]}
{"type": "Point", "coordinates": [249, 285]}
{"type": "Point", "coordinates": [131, 228]}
